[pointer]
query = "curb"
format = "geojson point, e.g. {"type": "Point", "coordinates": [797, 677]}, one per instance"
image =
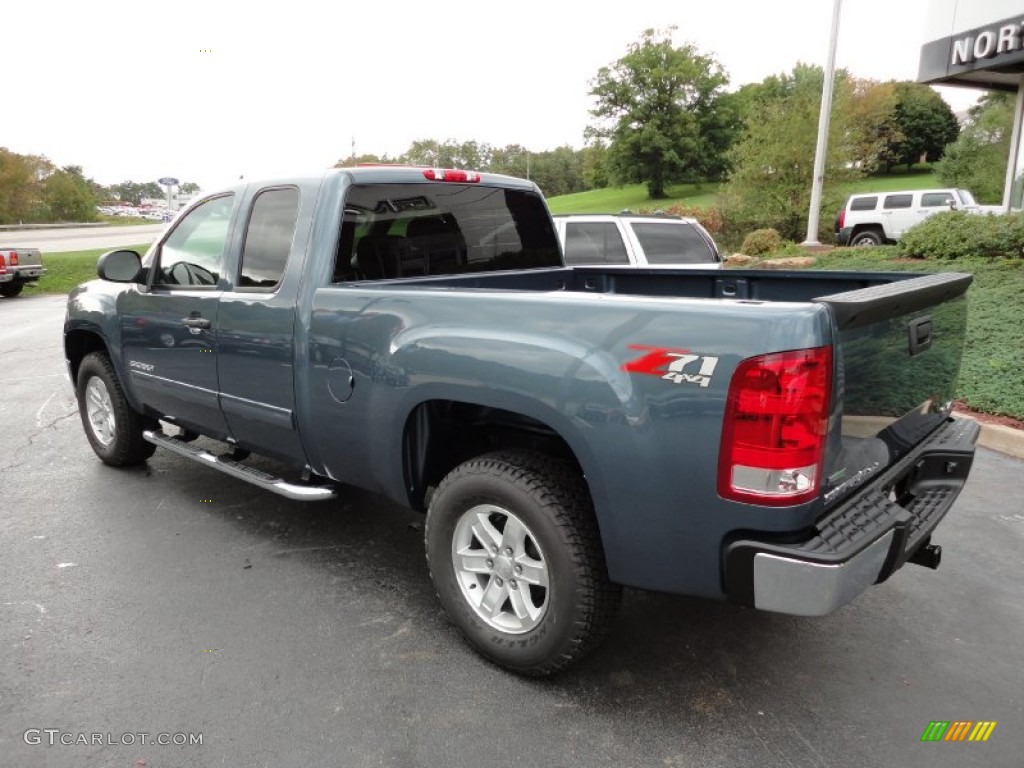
{"type": "Point", "coordinates": [1003, 439]}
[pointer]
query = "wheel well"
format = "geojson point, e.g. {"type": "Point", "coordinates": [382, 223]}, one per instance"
{"type": "Point", "coordinates": [876, 228]}
{"type": "Point", "coordinates": [78, 344]}
{"type": "Point", "coordinates": [441, 434]}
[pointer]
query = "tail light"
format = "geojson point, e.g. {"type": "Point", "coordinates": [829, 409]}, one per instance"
{"type": "Point", "coordinates": [447, 174]}
{"type": "Point", "coordinates": [13, 262]}
{"type": "Point", "coordinates": [841, 219]}
{"type": "Point", "coordinates": [3, 265]}
{"type": "Point", "coordinates": [776, 423]}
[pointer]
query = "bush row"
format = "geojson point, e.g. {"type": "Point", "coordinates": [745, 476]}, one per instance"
{"type": "Point", "coordinates": [954, 234]}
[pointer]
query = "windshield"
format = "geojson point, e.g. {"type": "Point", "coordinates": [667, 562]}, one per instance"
{"type": "Point", "coordinates": [966, 197]}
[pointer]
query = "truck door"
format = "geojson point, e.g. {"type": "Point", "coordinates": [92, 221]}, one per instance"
{"type": "Point", "coordinates": [169, 332]}
{"type": "Point", "coordinates": [256, 326]}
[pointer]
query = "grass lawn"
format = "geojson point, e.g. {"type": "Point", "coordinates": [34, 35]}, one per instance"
{"type": "Point", "coordinates": [634, 196]}
{"type": "Point", "coordinates": [990, 375]}
{"type": "Point", "coordinates": [894, 182]}
{"type": "Point", "coordinates": [66, 270]}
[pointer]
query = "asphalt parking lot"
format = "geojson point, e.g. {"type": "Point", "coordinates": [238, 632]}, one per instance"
{"type": "Point", "coordinates": [172, 600]}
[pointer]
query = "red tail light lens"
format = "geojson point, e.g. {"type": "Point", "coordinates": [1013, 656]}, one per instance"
{"type": "Point", "coordinates": [448, 174]}
{"type": "Point", "coordinates": [776, 423]}
{"type": "Point", "coordinates": [14, 258]}
{"type": "Point", "coordinates": [3, 265]}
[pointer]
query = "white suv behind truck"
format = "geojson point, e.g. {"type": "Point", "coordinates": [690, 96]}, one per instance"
{"type": "Point", "coordinates": [636, 240]}
{"type": "Point", "coordinates": [874, 218]}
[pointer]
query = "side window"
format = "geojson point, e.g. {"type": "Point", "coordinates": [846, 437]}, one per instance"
{"type": "Point", "coordinates": [936, 199]}
{"type": "Point", "coordinates": [594, 242]}
{"type": "Point", "coordinates": [673, 243]}
{"type": "Point", "coordinates": [898, 201]}
{"type": "Point", "coordinates": [268, 238]}
{"type": "Point", "coordinates": [193, 253]}
{"type": "Point", "coordinates": [863, 203]}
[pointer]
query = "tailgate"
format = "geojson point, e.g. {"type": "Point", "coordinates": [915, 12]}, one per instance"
{"type": "Point", "coordinates": [898, 350]}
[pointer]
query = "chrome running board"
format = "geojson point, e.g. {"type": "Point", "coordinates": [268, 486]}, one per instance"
{"type": "Point", "coordinates": [242, 471]}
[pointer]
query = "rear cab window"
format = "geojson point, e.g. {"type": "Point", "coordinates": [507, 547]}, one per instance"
{"type": "Point", "coordinates": [422, 229]}
{"type": "Point", "coordinates": [673, 243]}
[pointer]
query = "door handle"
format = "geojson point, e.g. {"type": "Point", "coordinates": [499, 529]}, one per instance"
{"type": "Point", "coordinates": [196, 322]}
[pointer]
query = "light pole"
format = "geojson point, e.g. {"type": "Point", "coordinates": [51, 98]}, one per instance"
{"type": "Point", "coordinates": [823, 118]}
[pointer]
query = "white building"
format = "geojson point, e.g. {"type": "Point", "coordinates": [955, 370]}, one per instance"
{"type": "Point", "coordinates": [980, 44]}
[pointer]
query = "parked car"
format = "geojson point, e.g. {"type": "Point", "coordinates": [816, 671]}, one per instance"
{"type": "Point", "coordinates": [636, 240]}
{"type": "Point", "coordinates": [18, 268]}
{"type": "Point", "coordinates": [874, 218]}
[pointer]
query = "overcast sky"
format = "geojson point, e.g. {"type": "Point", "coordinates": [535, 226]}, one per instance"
{"type": "Point", "coordinates": [209, 91]}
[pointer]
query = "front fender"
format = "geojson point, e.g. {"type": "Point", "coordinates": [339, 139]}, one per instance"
{"type": "Point", "coordinates": [93, 314]}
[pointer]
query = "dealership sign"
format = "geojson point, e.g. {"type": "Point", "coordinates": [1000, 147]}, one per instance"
{"type": "Point", "coordinates": [989, 56]}
{"type": "Point", "coordinates": [986, 43]}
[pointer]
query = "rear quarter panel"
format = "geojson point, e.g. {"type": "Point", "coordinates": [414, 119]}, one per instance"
{"type": "Point", "coordinates": [648, 445]}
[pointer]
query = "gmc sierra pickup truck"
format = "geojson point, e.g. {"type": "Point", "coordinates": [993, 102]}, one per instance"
{"type": "Point", "coordinates": [780, 440]}
{"type": "Point", "coordinates": [18, 268]}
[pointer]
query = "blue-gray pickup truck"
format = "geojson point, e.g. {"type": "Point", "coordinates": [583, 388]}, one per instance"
{"type": "Point", "coordinates": [780, 440]}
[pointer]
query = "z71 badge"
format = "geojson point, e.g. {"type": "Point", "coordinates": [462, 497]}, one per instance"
{"type": "Point", "coordinates": [676, 365]}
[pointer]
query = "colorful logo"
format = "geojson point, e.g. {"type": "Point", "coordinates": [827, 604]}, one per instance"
{"type": "Point", "coordinates": [958, 730]}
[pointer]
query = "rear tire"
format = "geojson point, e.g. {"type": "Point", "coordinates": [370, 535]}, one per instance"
{"type": "Point", "coordinates": [113, 427]}
{"type": "Point", "coordinates": [516, 558]}
{"type": "Point", "coordinates": [866, 239]}
{"type": "Point", "coordinates": [10, 290]}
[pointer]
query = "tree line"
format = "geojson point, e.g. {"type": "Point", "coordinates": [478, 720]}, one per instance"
{"type": "Point", "coordinates": [34, 190]}
{"type": "Point", "coordinates": [663, 115]}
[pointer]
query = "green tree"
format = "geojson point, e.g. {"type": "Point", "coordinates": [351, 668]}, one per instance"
{"type": "Point", "coordinates": [469, 155]}
{"type": "Point", "coordinates": [68, 195]}
{"type": "Point", "coordinates": [873, 122]}
{"type": "Point", "coordinates": [21, 187]}
{"type": "Point", "coordinates": [511, 160]}
{"type": "Point", "coordinates": [658, 107]}
{"type": "Point", "coordinates": [558, 171]}
{"type": "Point", "coordinates": [354, 160]}
{"type": "Point", "coordinates": [595, 165]}
{"type": "Point", "coordinates": [923, 124]}
{"type": "Point", "coordinates": [188, 188]}
{"type": "Point", "coordinates": [977, 159]}
{"type": "Point", "coordinates": [773, 164]}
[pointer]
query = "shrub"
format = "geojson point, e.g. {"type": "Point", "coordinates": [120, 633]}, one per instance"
{"type": "Point", "coordinates": [710, 218]}
{"type": "Point", "coordinates": [761, 241]}
{"type": "Point", "coordinates": [956, 234]}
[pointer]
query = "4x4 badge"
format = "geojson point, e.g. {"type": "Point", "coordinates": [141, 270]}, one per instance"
{"type": "Point", "coordinates": [675, 365]}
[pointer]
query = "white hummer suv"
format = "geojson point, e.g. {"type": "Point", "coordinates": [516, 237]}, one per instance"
{"type": "Point", "coordinates": [636, 240]}
{"type": "Point", "coordinates": [874, 218]}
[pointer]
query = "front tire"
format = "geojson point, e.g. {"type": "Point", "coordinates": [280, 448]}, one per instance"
{"type": "Point", "coordinates": [516, 558]}
{"type": "Point", "coordinates": [113, 427]}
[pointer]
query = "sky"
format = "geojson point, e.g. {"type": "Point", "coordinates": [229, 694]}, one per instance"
{"type": "Point", "coordinates": [213, 91]}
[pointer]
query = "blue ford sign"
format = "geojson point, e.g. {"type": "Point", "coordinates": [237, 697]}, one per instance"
{"type": "Point", "coordinates": [168, 181]}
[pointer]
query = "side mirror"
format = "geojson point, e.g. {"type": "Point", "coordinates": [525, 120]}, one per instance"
{"type": "Point", "coordinates": [119, 266]}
